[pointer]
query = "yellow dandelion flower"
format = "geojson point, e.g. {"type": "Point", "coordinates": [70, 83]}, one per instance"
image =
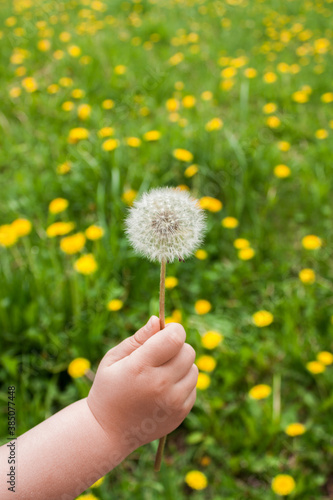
{"type": "Point", "coordinates": [307, 276]}
{"type": "Point", "coordinates": [260, 391]}
{"type": "Point", "coordinates": [67, 105]}
{"type": "Point", "coordinates": [321, 134]}
{"type": "Point", "coordinates": [86, 264]}
{"type": "Point", "coordinates": [295, 429]}
{"type": "Point", "coordinates": [189, 101]}
{"type": "Point", "coordinates": [115, 305]}
{"type": "Point", "coordinates": [241, 243]}
{"type": "Point", "coordinates": [171, 282]}
{"type": "Point", "coordinates": [311, 242]}
{"type": "Point", "coordinates": [262, 318]}
{"type": "Point", "coordinates": [108, 104]}
{"type": "Point", "coordinates": [229, 222]}
{"type": "Point", "coordinates": [321, 45]}
{"type": "Point", "coordinates": [65, 81]}
{"type": "Point", "coordinates": [283, 67]}
{"type": "Point", "coordinates": [270, 77]}
{"type": "Point", "coordinates": [229, 72]}
{"type": "Point", "coordinates": [246, 253]}
{"type": "Point", "coordinates": [65, 36]}
{"type": "Point", "coordinates": [110, 144]}
{"type": "Point", "coordinates": [21, 227]}
{"type": "Point", "coordinates": [78, 367]}
{"type": "Point", "coordinates": [300, 96]}
{"type": "Point", "coordinates": [78, 93]}
{"type": "Point", "coordinates": [182, 154]}
{"type": "Point", "coordinates": [94, 232]}
{"type": "Point", "coordinates": [59, 229]}
{"type": "Point", "coordinates": [179, 85]}
{"type": "Point", "coordinates": [273, 122]}
{"type": "Point", "coordinates": [196, 480]}
{"type": "Point", "coordinates": [29, 84]}
{"type": "Point", "coordinates": [105, 132]}
{"type": "Point", "coordinates": [206, 363]}
{"type": "Point", "coordinates": [21, 71]}
{"type": "Point", "coordinates": [282, 171]}
{"type": "Point", "coordinates": [120, 69]}
{"type": "Point", "coordinates": [10, 21]}
{"type": "Point", "coordinates": [227, 84]}
{"type": "Point", "coordinates": [284, 145]}
{"type": "Point", "coordinates": [152, 135]}
{"type": "Point", "coordinates": [176, 59]}
{"type": "Point", "coordinates": [44, 45]}
{"type": "Point", "coordinates": [327, 97]}
{"type": "Point", "coordinates": [191, 170]}
{"type": "Point", "coordinates": [315, 367]}
{"type": "Point", "coordinates": [77, 134]}
{"type": "Point", "coordinates": [98, 482]}
{"type": "Point", "coordinates": [269, 108]}
{"type": "Point", "coordinates": [87, 496]}
{"type": "Point", "coordinates": [211, 339]}
{"type": "Point", "coordinates": [73, 244]}
{"type": "Point", "coordinates": [64, 168]}
{"type": "Point", "coordinates": [211, 204]}
{"type": "Point", "coordinates": [172, 105]}
{"type": "Point", "coordinates": [15, 92]}
{"type": "Point", "coordinates": [214, 124]}
{"type": "Point", "coordinates": [129, 196]}
{"type": "Point", "coordinates": [133, 142]}
{"type": "Point", "coordinates": [58, 205]}
{"type": "Point", "coordinates": [83, 111]}
{"type": "Point", "coordinates": [250, 72]}
{"type": "Point", "coordinates": [325, 357]}
{"type": "Point", "coordinates": [58, 54]}
{"type": "Point", "coordinates": [203, 381]}
{"type": "Point", "coordinates": [74, 51]}
{"type": "Point", "coordinates": [283, 484]}
{"type": "Point", "coordinates": [201, 254]}
{"type": "Point", "coordinates": [202, 306]}
{"type": "Point", "coordinates": [207, 95]}
{"type": "Point", "coordinates": [8, 236]}
{"type": "Point", "coordinates": [53, 88]}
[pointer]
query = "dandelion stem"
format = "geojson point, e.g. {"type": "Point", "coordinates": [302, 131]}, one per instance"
{"type": "Point", "coordinates": [161, 443]}
{"type": "Point", "coordinates": [162, 295]}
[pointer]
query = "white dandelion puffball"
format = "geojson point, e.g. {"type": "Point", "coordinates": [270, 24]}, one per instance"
{"type": "Point", "coordinates": [166, 223]}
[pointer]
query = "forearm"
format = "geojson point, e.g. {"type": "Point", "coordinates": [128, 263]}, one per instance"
{"type": "Point", "coordinates": [62, 456]}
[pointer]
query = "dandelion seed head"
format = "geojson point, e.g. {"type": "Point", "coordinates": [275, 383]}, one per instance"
{"type": "Point", "coordinates": [165, 223]}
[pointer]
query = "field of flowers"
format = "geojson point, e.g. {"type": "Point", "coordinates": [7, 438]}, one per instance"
{"type": "Point", "coordinates": [232, 100]}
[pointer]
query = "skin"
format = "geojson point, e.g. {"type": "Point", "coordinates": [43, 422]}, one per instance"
{"type": "Point", "coordinates": [143, 389]}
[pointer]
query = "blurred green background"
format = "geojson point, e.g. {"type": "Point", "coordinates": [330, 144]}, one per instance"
{"type": "Point", "coordinates": [233, 100]}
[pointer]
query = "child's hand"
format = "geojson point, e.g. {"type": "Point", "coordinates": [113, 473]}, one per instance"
{"type": "Point", "coordinates": [146, 385]}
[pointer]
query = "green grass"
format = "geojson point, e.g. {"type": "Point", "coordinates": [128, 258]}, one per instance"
{"type": "Point", "coordinates": [49, 314]}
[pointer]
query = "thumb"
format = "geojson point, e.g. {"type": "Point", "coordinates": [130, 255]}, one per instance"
{"type": "Point", "coordinates": [129, 345]}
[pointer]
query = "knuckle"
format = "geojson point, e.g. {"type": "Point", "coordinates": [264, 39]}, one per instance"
{"type": "Point", "coordinates": [175, 401]}
{"type": "Point", "coordinates": [160, 385]}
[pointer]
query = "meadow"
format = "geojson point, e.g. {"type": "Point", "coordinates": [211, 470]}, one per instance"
{"type": "Point", "coordinates": [232, 100]}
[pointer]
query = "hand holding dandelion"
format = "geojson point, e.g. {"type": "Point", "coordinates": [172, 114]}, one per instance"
{"type": "Point", "coordinates": [165, 224]}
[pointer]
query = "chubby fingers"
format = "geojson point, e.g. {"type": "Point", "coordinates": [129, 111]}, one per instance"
{"type": "Point", "coordinates": [127, 346]}
{"type": "Point", "coordinates": [161, 347]}
{"type": "Point", "coordinates": [177, 367]}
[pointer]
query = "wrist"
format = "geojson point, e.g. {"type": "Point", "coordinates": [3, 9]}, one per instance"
{"type": "Point", "coordinates": [115, 447]}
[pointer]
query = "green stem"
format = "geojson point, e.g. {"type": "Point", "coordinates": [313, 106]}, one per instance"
{"type": "Point", "coordinates": [159, 454]}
